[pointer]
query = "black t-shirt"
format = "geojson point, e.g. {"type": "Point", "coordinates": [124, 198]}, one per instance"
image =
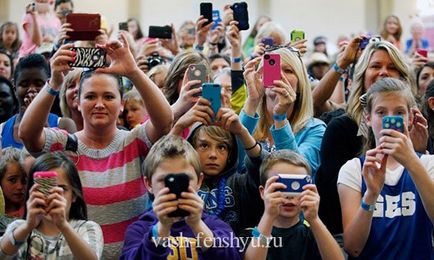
{"type": "Point", "coordinates": [297, 242]}
{"type": "Point", "coordinates": [340, 144]}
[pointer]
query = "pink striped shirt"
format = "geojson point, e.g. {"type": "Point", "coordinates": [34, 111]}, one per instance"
{"type": "Point", "coordinates": [112, 181]}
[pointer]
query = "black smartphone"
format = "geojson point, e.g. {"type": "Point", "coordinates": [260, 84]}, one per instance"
{"type": "Point", "coordinates": [123, 26]}
{"type": "Point", "coordinates": [89, 57]}
{"type": "Point", "coordinates": [160, 32]}
{"type": "Point", "coordinates": [206, 11]}
{"type": "Point", "coordinates": [241, 15]}
{"type": "Point", "coordinates": [177, 183]}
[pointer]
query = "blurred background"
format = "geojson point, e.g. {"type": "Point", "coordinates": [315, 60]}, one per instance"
{"type": "Point", "coordinates": [330, 18]}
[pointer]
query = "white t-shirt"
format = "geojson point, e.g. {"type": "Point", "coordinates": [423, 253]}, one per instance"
{"type": "Point", "coordinates": [350, 173]}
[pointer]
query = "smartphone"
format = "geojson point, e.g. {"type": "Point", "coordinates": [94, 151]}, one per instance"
{"type": "Point", "coordinates": [160, 32]}
{"type": "Point", "coordinates": [297, 35]}
{"type": "Point", "coordinates": [86, 26]}
{"type": "Point", "coordinates": [46, 179]}
{"type": "Point", "coordinates": [271, 69]}
{"type": "Point", "coordinates": [241, 15]}
{"type": "Point", "coordinates": [177, 183]}
{"type": "Point", "coordinates": [393, 122]}
{"type": "Point", "coordinates": [216, 19]}
{"type": "Point", "coordinates": [89, 57]}
{"type": "Point", "coordinates": [294, 183]}
{"type": "Point", "coordinates": [123, 26]}
{"type": "Point", "coordinates": [211, 91]}
{"type": "Point", "coordinates": [197, 72]}
{"type": "Point", "coordinates": [206, 11]}
{"type": "Point", "coordinates": [267, 41]}
{"type": "Point", "coordinates": [41, 7]}
{"type": "Point", "coordinates": [422, 52]}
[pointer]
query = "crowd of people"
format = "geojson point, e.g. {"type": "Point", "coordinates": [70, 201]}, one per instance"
{"type": "Point", "coordinates": [148, 165]}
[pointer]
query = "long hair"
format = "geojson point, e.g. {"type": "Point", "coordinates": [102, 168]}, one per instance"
{"type": "Point", "coordinates": [177, 69]}
{"type": "Point", "coordinates": [303, 107]}
{"type": "Point", "coordinates": [11, 61]}
{"type": "Point", "coordinates": [70, 79]}
{"type": "Point", "coordinates": [50, 161]}
{"type": "Point", "coordinates": [354, 107]}
{"type": "Point", "coordinates": [384, 33]}
{"type": "Point", "coordinates": [426, 110]}
{"type": "Point", "coordinates": [139, 34]}
{"type": "Point", "coordinates": [385, 86]}
{"type": "Point", "coordinates": [17, 43]}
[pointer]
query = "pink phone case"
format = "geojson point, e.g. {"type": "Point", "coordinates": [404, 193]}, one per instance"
{"type": "Point", "coordinates": [271, 69]}
{"type": "Point", "coordinates": [46, 180]}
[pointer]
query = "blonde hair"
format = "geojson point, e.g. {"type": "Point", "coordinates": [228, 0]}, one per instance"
{"type": "Point", "coordinates": [354, 107]}
{"type": "Point", "coordinates": [70, 78]}
{"type": "Point", "coordinates": [273, 30]}
{"type": "Point", "coordinates": [170, 147]}
{"type": "Point", "coordinates": [133, 95]}
{"type": "Point", "coordinates": [303, 106]}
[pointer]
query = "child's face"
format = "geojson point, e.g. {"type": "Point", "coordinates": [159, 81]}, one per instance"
{"type": "Point", "coordinates": [71, 94]}
{"type": "Point", "coordinates": [391, 104]}
{"type": "Point", "coordinates": [213, 154]}
{"type": "Point", "coordinates": [29, 83]}
{"type": "Point", "coordinates": [134, 112]}
{"type": "Point", "coordinates": [9, 35]}
{"type": "Point", "coordinates": [291, 209]}
{"type": "Point", "coordinates": [172, 166]}
{"type": "Point", "coordinates": [13, 184]}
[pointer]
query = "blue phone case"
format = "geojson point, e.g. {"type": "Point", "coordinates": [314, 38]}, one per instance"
{"type": "Point", "coordinates": [212, 92]}
{"type": "Point", "coordinates": [393, 122]}
{"type": "Point", "coordinates": [216, 19]}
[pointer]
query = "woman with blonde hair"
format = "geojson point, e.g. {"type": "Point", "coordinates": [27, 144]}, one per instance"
{"type": "Point", "coordinates": [69, 97]}
{"type": "Point", "coordinates": [285, 119]}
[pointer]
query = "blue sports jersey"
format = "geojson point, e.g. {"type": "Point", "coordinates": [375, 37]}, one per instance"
{"type": "Point", "coordinates": [8, 131]}
{"type": "Point", "coordinates": [401, 229]}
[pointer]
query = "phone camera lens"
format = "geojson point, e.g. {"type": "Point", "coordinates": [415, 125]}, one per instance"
{"type": "Point", "coordinates": [171, 179]}
{"type": "Point", "coordinates": [266, 56]}
{"type": "Point", "coordinates": [272, 62]}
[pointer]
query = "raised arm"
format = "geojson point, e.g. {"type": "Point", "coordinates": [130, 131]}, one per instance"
{"type": "Point", "coordinates": [32, 125]}
{"type": "Point", "coordinates": [123, 63]}
{"type": "Point", "coordinates": [33, 29]}
{"type": "Point", "coordinates": [325, 88]}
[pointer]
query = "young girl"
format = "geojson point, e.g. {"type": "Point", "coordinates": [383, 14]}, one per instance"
{"type": "Point", "coordinates": [134, 109]}
{"type": "Point", "coordinates": [386, 197]}
{"type": "Point", "coordinates": [392, 30]}
{"type": "Point", "coordinates": [13, 180]}
{"type": "Point", "coordinates": [10, 38]}
{"type": "Point", "coordinates": [55, 226]}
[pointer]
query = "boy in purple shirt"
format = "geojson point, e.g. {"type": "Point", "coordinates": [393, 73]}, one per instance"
{"type": "Point", "coordinates": [155, 235]}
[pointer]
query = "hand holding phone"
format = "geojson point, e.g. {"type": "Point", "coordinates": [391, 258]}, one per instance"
{"type": "Point", "coordinates": [177, 183]}
{"type": "Point", "coordinates": [197, 72]}
{"type": "Point", "coordinates": [46, 180]}
{"type": "Point", "coordinates": [422, 52]}
{"type": "Point", "coordinates": [267, 41]}
{"type": "Point", "coordinates": [123, 26]}
{"type": "Point", "coordinates": [211, 91]}
{"type": "Point", "coordinates": [241, 15]}
{"type": "Point", "coordinates": [297, 35]}
{"type": "Point", "coordinates": [206, 12]}
{"type": "Point", "coordinates": [294, 183]}
{"type": "Point", "coordinates": [393, 122]}
{"type": "Point", "coordinates": [271, 70]}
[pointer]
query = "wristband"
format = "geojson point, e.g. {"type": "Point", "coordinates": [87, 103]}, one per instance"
{"type": "Point", "coordinates": [263, 240]}
{"type": "Point", "coordinates": [338, 69]}
{"type": "Point", "coordinates": [51, 91]}
{"type": "Point", "coordinates": [16, 243]}
{"type": "Point", "coordinates": [236, 59]}
{"type": "Point", "coordinates": [253, 146]}
{"type": "Point", "coordinates": [277, 117]}
{"type": "Point", "coordinates": [366, 206]}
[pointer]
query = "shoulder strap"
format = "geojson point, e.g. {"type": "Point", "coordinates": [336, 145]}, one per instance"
{"type": "Point", "coordinates": [71, 143]}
